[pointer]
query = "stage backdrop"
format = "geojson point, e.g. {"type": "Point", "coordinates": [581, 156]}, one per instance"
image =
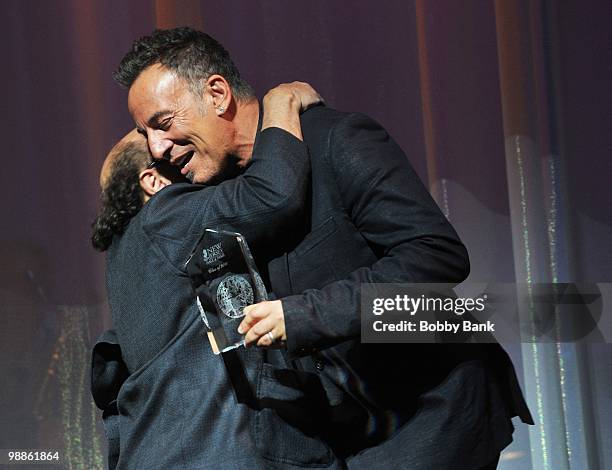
{"type": "Point", "coordinates": [503, 108]}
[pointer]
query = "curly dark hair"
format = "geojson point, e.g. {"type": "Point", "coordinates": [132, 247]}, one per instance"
{"type": "Point", "coordinates": [122, 196]}
{"type": "Point", "coordinates": [191, 54]}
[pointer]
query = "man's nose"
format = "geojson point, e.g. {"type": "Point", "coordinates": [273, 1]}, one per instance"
{"type": "Point", "coordinates": [159, 147]}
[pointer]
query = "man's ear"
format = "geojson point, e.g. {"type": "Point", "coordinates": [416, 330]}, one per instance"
{"type": "Point", "coordinates": [151, 181]}
{"type": "Point", "coordinates": [220, 92]}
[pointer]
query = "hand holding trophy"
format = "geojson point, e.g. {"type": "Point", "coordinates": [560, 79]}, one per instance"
{"type": "Point", "coordinates": [225, 280]}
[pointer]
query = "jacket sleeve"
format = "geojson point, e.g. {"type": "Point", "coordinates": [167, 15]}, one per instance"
{"type": "Point", "coordinates": [272, 188]}
{"type": "Point", "coordinates": [393, 211]}
{"type": "Point", "coordinates": [258, 203]}
{"type": "Point", "coordinates": [108, 372]}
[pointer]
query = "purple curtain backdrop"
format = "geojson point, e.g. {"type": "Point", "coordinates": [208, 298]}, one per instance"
{"type": "Point", "coordinates": [430, 72]}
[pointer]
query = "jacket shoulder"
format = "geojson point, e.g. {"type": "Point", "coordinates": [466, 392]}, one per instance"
{"type": "Point", "coordinates": [321, 120]}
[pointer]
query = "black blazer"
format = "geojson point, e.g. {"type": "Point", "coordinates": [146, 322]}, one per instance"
{"type": "Point", "coordinates": [370, 219]}
{"type": "Point", "coordinates": [167, 399]}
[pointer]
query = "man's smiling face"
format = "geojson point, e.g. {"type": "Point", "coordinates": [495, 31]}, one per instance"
{"type": "Point", "coordinates": [179, 125]}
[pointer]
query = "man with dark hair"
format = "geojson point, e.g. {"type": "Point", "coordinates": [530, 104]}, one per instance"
{"type": "Point", "coordinates": [190, 53]}
{"type": "Point", "coordinates": [127, 178]}
{"type": "Point", "coordinates": [149, 228]}
{"type": "Point", "coordinates": [203, 69]}
{"type": "Point", "coordinates": [368, 219]}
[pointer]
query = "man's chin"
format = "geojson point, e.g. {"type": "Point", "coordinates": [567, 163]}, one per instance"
{"type": "Point", "coordinates": [229, 169]}
{"type": "Point", "coordinates": [190, 177]}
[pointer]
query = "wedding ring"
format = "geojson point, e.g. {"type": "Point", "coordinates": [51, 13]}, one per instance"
{"type": "Point", "coordinates": [270, 336]}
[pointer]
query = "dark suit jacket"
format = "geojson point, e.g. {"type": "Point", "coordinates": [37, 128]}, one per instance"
{"type": "Point", "coordinates": [372, 220]}
{"type": "Point", "coordinates": [367, 218]}
{"type": "Point", "coordinates": [166, 397]}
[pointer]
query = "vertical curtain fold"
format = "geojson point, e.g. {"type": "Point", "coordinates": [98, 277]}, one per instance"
{"type": "Point", "coordinates": [553, 371]}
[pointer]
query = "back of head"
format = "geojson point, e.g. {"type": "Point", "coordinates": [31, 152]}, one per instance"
{"type": "Point", "coordinates": [192, 55]}
{"type": "Point", "coordinates": [122, 196]}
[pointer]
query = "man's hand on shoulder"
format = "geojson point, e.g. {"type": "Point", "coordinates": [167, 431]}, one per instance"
{"type": "Point", "coordinates": [283, 104]}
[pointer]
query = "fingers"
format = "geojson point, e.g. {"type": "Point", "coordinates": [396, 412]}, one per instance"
{"type": "Point", "coordinates": [252, 315]}
{"type": "Point", "coordinates": [271, 338]}
{"type": "Point", "coordinates": [301, 92]}
{"type": "Point", "coordinates": [259, 331]}
{"type": "Point", "coordinates": [306, 94]}
{"type": "Point", "coordinates": [261, 319]}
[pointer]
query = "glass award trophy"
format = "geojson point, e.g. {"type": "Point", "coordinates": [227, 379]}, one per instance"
{"type": "Point", "coordinates": [225, 279]}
